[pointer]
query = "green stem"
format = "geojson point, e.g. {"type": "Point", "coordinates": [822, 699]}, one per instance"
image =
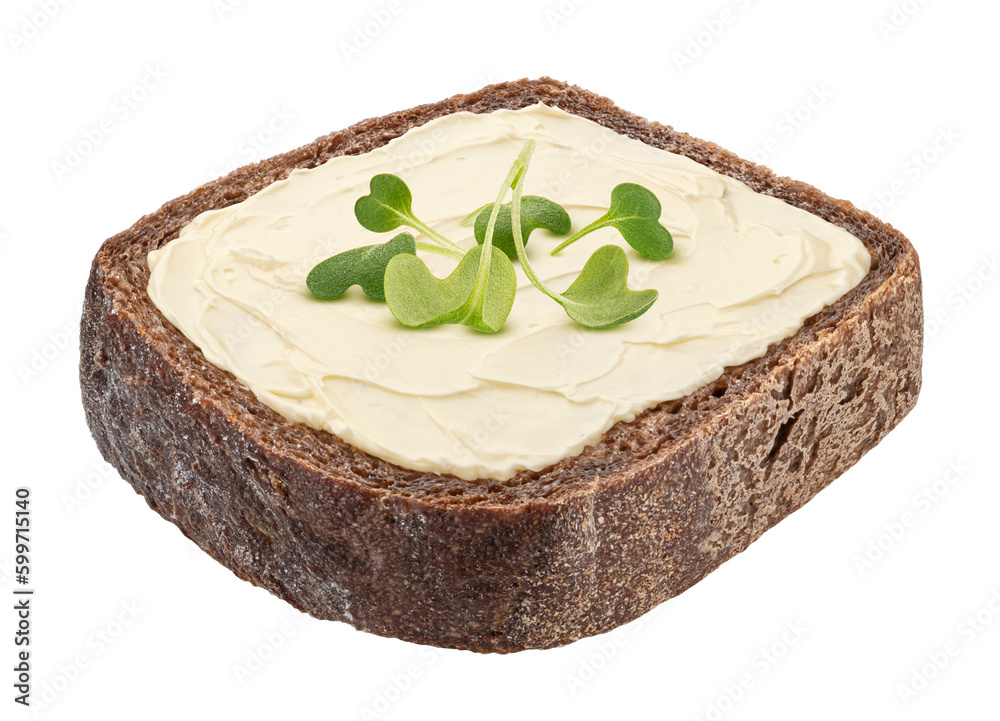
{"type": "Point", "coordinates": [470, 219]}
{"type": "Point", "coordinates": [522, 256]}
{"type": "Point", "coordinates": [599, 223]}
{"type": "Point", "coordinates": [448, 252]}
{"type": "Point", "coordinates": [515, 174]}
{"type": "Point", "coordinates": [432, 234]}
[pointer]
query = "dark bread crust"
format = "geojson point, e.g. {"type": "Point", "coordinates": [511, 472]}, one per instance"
{"type": "Point", "coordinates": [546, 557]}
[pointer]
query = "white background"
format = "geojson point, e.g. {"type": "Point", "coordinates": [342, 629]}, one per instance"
{"type": "Point", "coordinates": [131, 620]}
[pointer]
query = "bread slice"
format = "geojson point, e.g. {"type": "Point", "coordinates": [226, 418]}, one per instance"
{"type": "Point", "coordinates": [541, 559]}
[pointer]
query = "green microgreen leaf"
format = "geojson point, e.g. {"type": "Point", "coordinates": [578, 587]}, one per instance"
{"type": "Point", "coordinates": [389, 205]}
{"type": "Point", "coordinates": [635, 212]}
{"type": "Point", "coordinates": [536, 212]}
{"type": "Point", "coordinates": [363, 266]}
{"type": "Point", "coordinates": [479, 293]}
{"type": "Point", "coordinates": [600, 296]}
{"type": "Point", "coordinates": [418, 299]}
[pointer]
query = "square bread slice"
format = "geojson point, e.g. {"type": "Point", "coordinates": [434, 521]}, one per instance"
{"type": "Point", "coordinates": [541, 559]}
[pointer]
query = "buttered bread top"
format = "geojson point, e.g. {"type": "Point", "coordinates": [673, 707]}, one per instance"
{"type": "Point", "coordinates": [746, 271]}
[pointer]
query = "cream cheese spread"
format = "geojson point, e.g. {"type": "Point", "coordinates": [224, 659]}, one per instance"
{"type": "Point", "coordinates": [746, 271]}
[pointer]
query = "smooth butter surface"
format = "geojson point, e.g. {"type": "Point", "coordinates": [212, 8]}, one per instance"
{"type": "Point", "coordinates": [746, 270]}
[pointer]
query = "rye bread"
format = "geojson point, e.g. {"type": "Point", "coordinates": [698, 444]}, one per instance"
{"type": "Point", "coordinates": [546, 557]}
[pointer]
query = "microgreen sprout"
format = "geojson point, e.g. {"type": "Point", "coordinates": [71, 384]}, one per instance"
{"type": "Point", "coordinates": [480, 291]}
{"type": "Point", "coordinates": [389, 205]}
{"type": "Point", "coordinates": [635, 212]}
{"type": "Point", "coordinates": [363, 266]}
{"type": "Point", "coordinates": [600, 296]}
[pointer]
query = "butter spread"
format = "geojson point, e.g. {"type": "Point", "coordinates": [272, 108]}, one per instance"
{"type": "Point", "coordinates": [746, 270]}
